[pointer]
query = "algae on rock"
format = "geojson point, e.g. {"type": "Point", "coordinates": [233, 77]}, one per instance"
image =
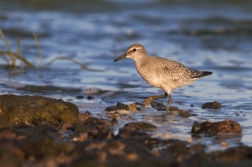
{"type": "Point", "coordinates": [27, 109]}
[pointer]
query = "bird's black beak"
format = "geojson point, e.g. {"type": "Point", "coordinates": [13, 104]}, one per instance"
{"type": "Point", "coordinates": [121, 57]}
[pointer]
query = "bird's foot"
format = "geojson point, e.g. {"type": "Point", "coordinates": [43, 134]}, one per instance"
{"type": "Point", "coordinates": [168, 112]}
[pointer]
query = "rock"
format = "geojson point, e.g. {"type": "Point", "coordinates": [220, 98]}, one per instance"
{"type": "Point", "coordinates": [100, 132]}
{"type": "Point", "coordinates": [115, 115]}
{"type": "Point", "coordinates": [6, 133]}
{"type": "Point", "coordinates": [86, 112]}
{"type": "Point", "coordinates": [235, 156]}
{"type": "Point", "coordinates": [179, 149]}
{"type": "Point", "coordinates": [173, 110]}
{"type": "Point", "coordinates": [66, 147]}
{"type": "Point", "coordinates": [96, 128]}
{"type": "Point", "coordinates": [211, 105]}
{"type": "Point", "coordinates": [239, 153]}
{"type": "Point", "coordinates": [85, 115]}
{"type": "Point", "coordinates": [197, 147]}
{"type": "Point", "coordinates": [10, 156]}
{"type": "Point", "coordinates": [125, 133]}
{"type": "Point", "coordinates": [80, 137]}
{"type": "Point", "coordinates": [40, 143]}
{"type": "Point", "coordinates": [151, 141]}
{"type": "Point", "coordinates": [184, 113]}
{"type": "Point", "coordinates": [90, 97]}
{"type": "Point", "coordinates": [140, 126]}
{"type": "Point", "coordinates": [119, 106]}
{"type": "Point", "coordinates": [158, 106]}
{"type": "Point", "coordinates": [66, 126]}
{"type": "Point", "coordinates": [114, 122]}
{"type": "Point", "coordinates": [24, 130]}
{"type": "Point", "coordinates": [226, 126]}
{"type": "Point", "coordinates": [115, 148]}
{"type": "Point", "coordinates": [38, 146]}
{"type": "Point", "coordinates": [79, 97]}
{"type": "Point", "coordinates": [27, 109]}
{"type": "Point", "coordinates": [97, 121]}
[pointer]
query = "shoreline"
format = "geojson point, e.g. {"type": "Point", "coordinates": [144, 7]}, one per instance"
{"type": "Point", "coordinates": [79, 139]}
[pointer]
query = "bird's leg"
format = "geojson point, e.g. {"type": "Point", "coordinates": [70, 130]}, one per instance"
{"type": "Point", "coordinates": [168, 104]}
{"type": "Point", "coordinates": [151, 98]}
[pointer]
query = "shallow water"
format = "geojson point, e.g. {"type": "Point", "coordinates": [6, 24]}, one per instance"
{"type": "Point", "coordinates": [198, 34]}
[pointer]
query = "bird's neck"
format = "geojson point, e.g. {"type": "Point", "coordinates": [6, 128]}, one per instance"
{"type": "Point", "coordinates": [141, 61]}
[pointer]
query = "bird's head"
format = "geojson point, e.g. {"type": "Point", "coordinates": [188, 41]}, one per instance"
{"type": "Point", "coordinates": [134, 52]}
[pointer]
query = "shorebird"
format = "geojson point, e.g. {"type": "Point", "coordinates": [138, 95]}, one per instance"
{"type": "Point", "coordinates": [161, 73]}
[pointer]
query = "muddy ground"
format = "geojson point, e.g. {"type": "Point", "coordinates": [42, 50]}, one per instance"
{"type": "Point", "coordinates": [39, 131]}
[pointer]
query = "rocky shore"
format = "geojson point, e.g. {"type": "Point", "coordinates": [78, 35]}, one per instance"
{"type": "Point", "coordinates": [40, 131]}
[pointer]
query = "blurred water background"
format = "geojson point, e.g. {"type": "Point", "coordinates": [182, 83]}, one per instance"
{"type": "Point", "coordinates": [202, 34]}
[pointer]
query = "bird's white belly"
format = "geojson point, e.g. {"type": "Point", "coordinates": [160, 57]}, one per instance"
{"type": "Point", "coordinates": [153, 80]}
{"type": "Point", "coordinates": [153, 77]}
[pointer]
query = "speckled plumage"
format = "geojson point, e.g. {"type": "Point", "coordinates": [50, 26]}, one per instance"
{"type": "Point", "coordinates": [160, 72]}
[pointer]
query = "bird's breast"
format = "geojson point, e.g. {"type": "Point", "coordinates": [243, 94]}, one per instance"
{"type": "Point", "coordinates": [150, 75]}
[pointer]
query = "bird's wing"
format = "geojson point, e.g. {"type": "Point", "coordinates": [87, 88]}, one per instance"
{"type": "Point", "coordinates": [174, 69]}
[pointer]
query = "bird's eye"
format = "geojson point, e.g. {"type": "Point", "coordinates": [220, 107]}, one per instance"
{"type": "Point", "coordinates": [134, 49]}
